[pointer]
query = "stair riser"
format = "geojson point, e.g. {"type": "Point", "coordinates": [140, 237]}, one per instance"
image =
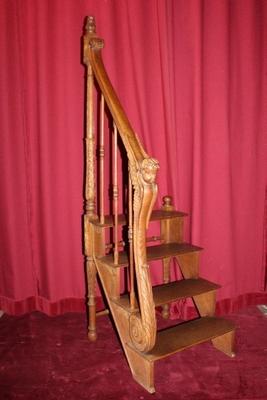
{"type": "Point", "coordinates": [172, 230]}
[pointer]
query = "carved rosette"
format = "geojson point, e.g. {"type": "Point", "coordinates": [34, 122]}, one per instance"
{"type": "Point", "coordinates": [143, 326]}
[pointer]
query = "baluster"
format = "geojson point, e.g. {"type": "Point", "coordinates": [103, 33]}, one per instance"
{"type": "Point", "coordinates": [90, 148]}
{"type": "Point", "coordinates": [101, 161]}
{"type": "Point", "coordinates": [115, 193]}
{"type": "Point", "coordinates": [90, 190]}
{"type": "Point", "coordinates": [130, 238]}
{"type": "Point", "coordinates": [166, 231]}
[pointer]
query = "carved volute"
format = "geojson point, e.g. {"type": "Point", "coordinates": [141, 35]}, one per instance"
{"type": "Point", "coordinates": [143, 326]}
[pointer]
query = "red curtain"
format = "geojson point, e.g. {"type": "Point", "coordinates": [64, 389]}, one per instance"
{"type": "Point", "coordinates": [191, 75]}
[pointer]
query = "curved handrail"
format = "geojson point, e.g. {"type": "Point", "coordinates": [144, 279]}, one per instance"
{"type": "Point", "coordinates": [143, 171]}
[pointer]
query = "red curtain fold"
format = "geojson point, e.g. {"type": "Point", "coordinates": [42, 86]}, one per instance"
{"type": "Point", "coordinates": [192, 78]}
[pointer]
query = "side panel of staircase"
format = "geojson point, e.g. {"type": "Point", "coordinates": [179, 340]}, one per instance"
{"type": "Point", "coordinates": [142, 369]}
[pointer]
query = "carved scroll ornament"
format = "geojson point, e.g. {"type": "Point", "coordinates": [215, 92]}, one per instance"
{"type": "Point", "coordinates": [143, 326]}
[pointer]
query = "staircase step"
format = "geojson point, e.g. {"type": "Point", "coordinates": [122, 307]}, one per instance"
{"type": "Point", "coordinates": [173, 291]}
{"type": "Point", "coordinates": [187, 334]}
{"type": "Point", "coordinates": [153, 253]}
{"type": "Point", "coordinates": [156, 215]}
{"type": "Point", "coordinates": [184, 288]}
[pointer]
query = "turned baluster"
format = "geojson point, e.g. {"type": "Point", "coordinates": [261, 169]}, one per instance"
{"type": "Point", "coordinates": [115, 193]}
{"type": "Point", "coordinates": [90, 184]}
{"type": "Point", "coordinates": [166, 232]}
{"type": "Point", "coordinates": [101, 161]}
{"type": "Point", "coordinates": [130, 239]}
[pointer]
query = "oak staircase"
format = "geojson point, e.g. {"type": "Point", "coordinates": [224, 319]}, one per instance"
{"type": "Point", "coordinates": [116, 245]}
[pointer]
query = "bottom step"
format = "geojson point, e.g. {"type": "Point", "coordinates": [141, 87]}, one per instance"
{"type": "Point", "coordinates": [187, 334]}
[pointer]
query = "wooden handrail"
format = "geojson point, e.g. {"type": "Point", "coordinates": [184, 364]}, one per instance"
{"type": "Point", "coordinates": [93, 57]}
{"type": "Point", "coordinates": [142, 171]}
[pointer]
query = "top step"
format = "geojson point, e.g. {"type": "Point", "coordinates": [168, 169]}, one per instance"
{"type": "Point", "coordinates": [156, 215]}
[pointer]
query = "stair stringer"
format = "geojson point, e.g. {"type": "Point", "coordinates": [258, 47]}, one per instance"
{"type": "Point", "coordinates": [141, 368]}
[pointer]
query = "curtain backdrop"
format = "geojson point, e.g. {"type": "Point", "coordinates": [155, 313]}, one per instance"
{"type": "Point", "coordinates": [192, 77]}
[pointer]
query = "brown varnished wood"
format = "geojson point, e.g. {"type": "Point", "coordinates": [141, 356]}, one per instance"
{"type": "Point", "coordinates": [171, 228]}
{"type": "Point", "coordinates": [225, 343]}
{"type": "Point", "coordinates": [188, 334]}
{"type": "Point", "coordinates": [91, 280]}
{"type": "Point", "coordinates": [135, 320]}
{"type": "Point", "coordinates": [206, 303]}
{"type": "Point", "coordinates": [189, 264]}
{"type": "Point", "coordinates": [91, 275]}
{"type": "Point", "coordinates": [184, 288]}
{"type": "Point", "coordinates": [115, 194]}
{"type": "Point", "coordinates": [143, 171]}
{"type": "Point", "coordinates": [167, 235]}
{"type": "Point", "coordinates": [102, 312]}
{"type": "Point", "coordinates": [130, 240]}
{"type": "Point", "coordinates": [156, 215]}
{"type": "Point", "coordinates": [155, 253]}
{"type": "Point", "coordinates": [101, 160]}
{"type": "Point", "coordinates": [142, 370]}
{"type": "Point", "coordinates": [92, 56]}
{"type": "Point", "coordinates": [166, 262]}
{"type": "Point", "coordinates": [110, 279]}
{"type": "Point", "coordinates": [90, 199]}
{"type": "Point", "coordinates": [173, 291]}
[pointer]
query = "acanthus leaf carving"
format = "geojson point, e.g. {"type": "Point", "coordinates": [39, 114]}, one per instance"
{"type": "Point", "coordinates": [143, 326]}
{"type": "Point", "coordinates": [96, 43]}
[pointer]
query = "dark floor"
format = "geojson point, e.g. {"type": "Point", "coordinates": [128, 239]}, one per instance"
{"type": "Point", "coordinates": [50, 358]}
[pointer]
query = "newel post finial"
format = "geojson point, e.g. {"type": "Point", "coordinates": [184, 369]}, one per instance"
{"type": "Point", "coordinates": [90, 25]}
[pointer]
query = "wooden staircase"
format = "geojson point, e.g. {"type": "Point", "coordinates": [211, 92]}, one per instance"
{"type": "Point", "coordinates": [116, 259]}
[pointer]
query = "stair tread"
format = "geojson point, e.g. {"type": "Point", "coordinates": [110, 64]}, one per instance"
{"type": "Point", "coordinates": [169, 292]}
{"type": "Point", "coordinates": [156, 215]}
{"type": "Point", "coordinates": [187, 334]}
{"type": "Point", "coordinates": [153, 253]}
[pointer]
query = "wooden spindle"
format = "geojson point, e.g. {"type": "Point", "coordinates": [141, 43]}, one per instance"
{"type": "Point", "coordinates": [90, 183]}
{"type": "Point", "coordinates": [109, 246]}
{"type": "Point", "coordinates": [130, 238]}
{"type": "Point", "coordinates": [115, 193]}
{"type": "Point", "coordinates": [166, 230]}
{"type": "Point", "coordinates": [101, 161]}
{"type": "Point", "coordinates": [90, 148]}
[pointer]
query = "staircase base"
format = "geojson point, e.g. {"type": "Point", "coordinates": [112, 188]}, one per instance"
{"type": "Point", "coordinates": [178, 338]}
